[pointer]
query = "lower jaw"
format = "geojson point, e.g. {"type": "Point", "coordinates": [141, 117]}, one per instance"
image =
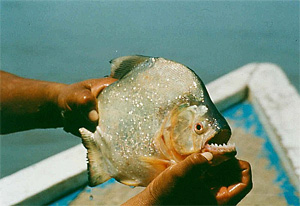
{"type": "Point", "coordinates": [219, 156]}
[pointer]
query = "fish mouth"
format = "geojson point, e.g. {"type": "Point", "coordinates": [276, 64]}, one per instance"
{"type": "Point", "coordinates": [217, 145]}
{"type": "Point", "coordinates": [220, 149]}
{"type": "Point", "coordinates": [221, 152]}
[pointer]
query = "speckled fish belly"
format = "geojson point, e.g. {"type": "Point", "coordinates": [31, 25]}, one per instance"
{"type": "Point", "coordinates": [155, 115]}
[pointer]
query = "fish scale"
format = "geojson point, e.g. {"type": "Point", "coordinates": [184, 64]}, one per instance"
{"type": "Point", "coordinates": [135, 108]}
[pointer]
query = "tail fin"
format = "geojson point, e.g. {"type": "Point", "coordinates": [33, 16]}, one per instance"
{"type": "Point", "coordinates": [96, 168]}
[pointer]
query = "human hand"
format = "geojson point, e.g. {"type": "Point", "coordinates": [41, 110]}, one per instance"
{"type": "Point", "coordinates": [230, 181]}
{"type": "Point", "coordinates": [194, 182]}
{"type": "Point", "coordinates": [78, 103]}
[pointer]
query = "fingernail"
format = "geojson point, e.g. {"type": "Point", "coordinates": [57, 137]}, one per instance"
{"type": "Point", "coordinates": [93, 115]}
{"type": "Point", "coordinates": [207, 155]}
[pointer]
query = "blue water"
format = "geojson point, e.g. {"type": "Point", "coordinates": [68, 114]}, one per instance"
{"type": "Point", "coordinates": [70, 41]}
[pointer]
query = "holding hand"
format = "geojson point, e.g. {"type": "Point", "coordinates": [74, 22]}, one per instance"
{"type": "Point", "coordinates": [29, 104]}
{"type": "Point", "coordinates": [78, 104]}
{"type": "Point", "coordinates": [194, 182]}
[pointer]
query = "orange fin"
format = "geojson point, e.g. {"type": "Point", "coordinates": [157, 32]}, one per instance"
{"type": "Point", "coordinates": [160, 143]}
{"type": "Point", "coordinates": [158, 164]}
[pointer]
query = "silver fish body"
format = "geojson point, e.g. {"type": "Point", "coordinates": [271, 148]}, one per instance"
{"type": "Point", "coordinates": [155, 115]}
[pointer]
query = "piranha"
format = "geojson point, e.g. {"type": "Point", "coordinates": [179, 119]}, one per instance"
{"type": "Point", "coordinates": [156, 114]}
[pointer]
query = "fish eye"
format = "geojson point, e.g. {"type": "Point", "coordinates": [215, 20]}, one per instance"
{"type": "Point", "coordinates": [198, 128]}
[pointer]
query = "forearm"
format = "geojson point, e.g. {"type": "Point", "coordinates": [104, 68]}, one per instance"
{"type": "Point", "coordinates": [27, 104]}
{"type": "Point", "coordinates": [143, 198]}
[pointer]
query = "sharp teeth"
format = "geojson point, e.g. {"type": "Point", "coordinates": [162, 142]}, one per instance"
{"type": "Point", "coordinates": [224, 145]}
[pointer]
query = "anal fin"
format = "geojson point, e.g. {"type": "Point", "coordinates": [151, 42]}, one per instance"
{"type": "Point", "coordinates": [96, 167]}
{"type": "Point", "coordinates": [130, 182]}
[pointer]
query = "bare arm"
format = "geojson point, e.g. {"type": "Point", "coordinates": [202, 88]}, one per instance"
{"type": "Point", "coordinates": [27, 104]}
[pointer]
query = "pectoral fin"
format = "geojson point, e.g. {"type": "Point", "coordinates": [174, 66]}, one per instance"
{"type": "Point", "coordinates": [96, 167]}
{"type": "Point", "coordinates": [158, 164]}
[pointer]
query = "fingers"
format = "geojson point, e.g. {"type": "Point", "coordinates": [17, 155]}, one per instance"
{"type": "Point", "coordinates": [95, 86]}
{"type": "Point", "coordinates": [233, 194]}
{"type": "Point", "coordinates": [93, 115]}
{"type": "Point", "coordinates": [85, 100]}
{"type": "Point", "coordinates": [193, 165]}
{"type": "Point", "coordinates": [207, 155]}
{"type": "Point", "coordinates": [79, 104]}
{"type": "Point", "coordinates": [184, 172]}
{"type": "Point", "coordinates": [246, 173]}
{"type": "Point", "coordinates": [86, 103]}
{"type": "Point", "coordinates": [180, 184]}
{"type": "Point", "coordinates": [81, 112]}
{"type": "Point", "coordinates": [240, 190]}
{"type": "Point", "coordinates": [98, 85]}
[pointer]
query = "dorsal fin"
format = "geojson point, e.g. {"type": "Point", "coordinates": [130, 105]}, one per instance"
{"type": "Point", "coordinates": [123, 65]}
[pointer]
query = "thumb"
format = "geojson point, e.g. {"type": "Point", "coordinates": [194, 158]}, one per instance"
{"type": "Point", "coordinates": [100, 84]}
{"type": "Point", "coordinates": [193, 166]}
{"type": "Point", "coordinates": [95, 86]}
{"type": "Point", "coordinates": [87, 105]}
